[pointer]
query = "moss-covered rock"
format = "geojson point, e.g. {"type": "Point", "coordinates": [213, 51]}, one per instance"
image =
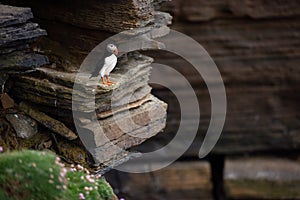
{"type": "Point", "coordinates": [31, 175]}
{"type": "Point", "coordinates": [34, 175]}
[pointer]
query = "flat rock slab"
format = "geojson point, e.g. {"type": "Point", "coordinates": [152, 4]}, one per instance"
{"type": "Point", "coordinates": [55, 88]}
{"type": "Point", "coordinates": [24, 126]}
{"type": "Point", "coordinates": [12, 35]}
{"type": "Point", "coordinates": [11, 15]}
{"type": "Point", "coordinates": [109, 119]}
{"type": "Point", "coordinates": [106, 138]}
{"type": "Point", "coordinates": [110, 16]}
{"type": "Point", "coordinates": [22, 61]}
{"type": "Point", "coordinates": [16, 35]}
{"type": "Point", "coordinates": [47, 121]}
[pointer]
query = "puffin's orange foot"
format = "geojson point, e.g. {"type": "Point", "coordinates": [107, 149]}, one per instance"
{"type": "Point", "coordinates": [108, 81]}
{"type": "Point", "coordinates": [111, 83]}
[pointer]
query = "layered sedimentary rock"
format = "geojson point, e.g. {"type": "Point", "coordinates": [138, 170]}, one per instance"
{"type": "Point", "coordinates": [55, 88]}
{"type": "Point", "coordinates": [103, 113]}
{"type": "Point", "coordinates": [255, 45]}
{"type": "Point", "coordinates": [107, 119]}
{"type": "Point", "coordinates": [16, 33]}
{"type": "Point", "coordinates": [75, 28]}
{"type": "Point", "coordinates": [201, 11]}
{"type": "Point", "coordinates": [114, 16]}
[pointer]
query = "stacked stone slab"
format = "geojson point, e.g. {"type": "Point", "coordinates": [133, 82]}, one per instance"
{"type": "Point", "coordinates": [109, 119]}
{"type": "Point", "coordinates": [75, 27]}
{"type": "Point", "coordinates": [111, 107]}
{"type": "Point", "coordinates": [16, 34]}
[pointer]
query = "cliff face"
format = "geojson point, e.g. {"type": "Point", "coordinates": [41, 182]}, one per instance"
{"type": "Point", "coordinates": [255, 45]}
{"type": "Point", "coordinates": [109, 119]}
{"type": "Point", "coordinates": [110, 16]}
{"type": "Point", "coordinates": [16, 34]}
{"type": "Point", "coordinates": [76, 27]}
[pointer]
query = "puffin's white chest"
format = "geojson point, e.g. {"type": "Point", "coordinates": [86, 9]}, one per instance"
{"type": "Point", "coordinates": [109, 64]}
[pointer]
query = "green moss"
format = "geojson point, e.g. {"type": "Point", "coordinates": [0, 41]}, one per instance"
{"type": "Point", "coordinates": [72, 152]}
{"type": "Point", "coordinates": [91, 187]}
{"type": "Point", "coordinates": [33, 175]}
{"type": "Point", "coordinates": [27, 175]}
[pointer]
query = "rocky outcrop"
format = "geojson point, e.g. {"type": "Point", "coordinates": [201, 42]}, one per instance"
{"type": "Point", "coordinates": [114, 16]}
{"type": "Point", "coordinates": [75, 29]}
{"type": "Point", "coordinates": [24, 126]}
{"type": "Point", "coordinates": [55, 88]}
{"type": "Point", "coordinates": [108, 116]}
{"type": "Point", "coordinates": [16, 33]}
{"type": "Point", "coordinates": [107, 119]}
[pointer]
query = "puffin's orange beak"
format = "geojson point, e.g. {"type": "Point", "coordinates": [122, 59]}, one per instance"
{"type": "Point", "coordinates": [116, 51]}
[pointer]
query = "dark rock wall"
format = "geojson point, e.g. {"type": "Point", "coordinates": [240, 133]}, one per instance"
{"type": "Point", "coordinates": [76, 27]}
{"type": "Point", "coordinates": [255, 45]}
{"type": "Point", "coordinates": [45, 93]}
{"type": "Point", "coordinates": [17, 32]}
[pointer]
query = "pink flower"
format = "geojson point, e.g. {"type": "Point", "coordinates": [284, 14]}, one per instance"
{"type": "Point", "coordinates": [1, 149]}
{"type": "Point", "coordinates": [81, 196]}
{"type": "Point", "coordinates": [122, 199]}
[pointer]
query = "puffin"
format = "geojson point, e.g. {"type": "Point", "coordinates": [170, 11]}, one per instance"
{"type": "Point", "coordinates": [110, 61]}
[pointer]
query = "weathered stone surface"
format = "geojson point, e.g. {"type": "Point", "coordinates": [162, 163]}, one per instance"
{"type": "Point", "coordinates": [68, 51]}
{"type": "Point", "coordinates": [14, 15]}
{"type": "Point", "coordinates": [261, 9]}
{"type": "Point", "coordinates": [255, 123]}
{"type": "Point", "coordinates": [49, 90]}
{"type": "Point", "coordinates": [115, 106]}
{"type": "Point", "coordinates": [24, 126]}
{"type": "Point", "coordinates": [55, 88]}
{"type": "Point", "coordinates": [198, 10]}
{"type": "Point", "coordinates": [6, 101]}
{"type": "Point", "coordinates": [110, 16]}
{"type": "Point", "coordinates": [201, 11]}
{"type": "Point", "coordinates": [47, 121]}
{"type": "Point", "coordinates": [22, 61]}
{"type": "Point", "coordinates": [125, 129]}
{"type": "Point", "coordinates": [258, 58]}
{"type": "Point", "coordinates": [16, 33]}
